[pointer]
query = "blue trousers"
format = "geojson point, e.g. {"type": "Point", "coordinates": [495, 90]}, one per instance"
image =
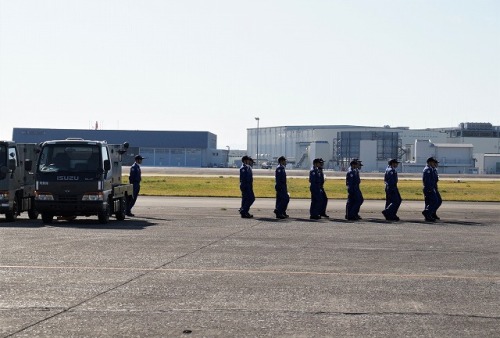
{"type": "Point", "coordinates": [392, 201]}
{"type": "Point", "coordinates": [247, 199]}
{"type": "Point", "coordinates": [319, 202]}
{"type": "Point", "coordinates": [354, 201]}
{"type": "Point", "coordinates": [433, 201]}
{"type": "Point", "coordinates": [282, 200]}
{"type": "Point", "coordinates": [133, 198]}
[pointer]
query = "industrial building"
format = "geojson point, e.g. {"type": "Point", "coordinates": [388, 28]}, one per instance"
{"type": "Point", "coordinates": [161, 148]}
{"type": "Point", "coordinates": [458, 149]}
{"type": "Point", "coordinates": [453, 158]}
{"type": "Point", "coordinates": [468, 148]}
{"type": "Point", "coordinates": [488, 163]}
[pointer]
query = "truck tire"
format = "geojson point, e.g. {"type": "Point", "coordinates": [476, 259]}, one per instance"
{"type": "Point", "coordinates": [11, 215]}
{"type": "Point", "coordinates": [103, 215]}
{"type": "Point", "coordinates": [47, 218]}
{"type": "Point", "coordinates": [120, 213]}
{"type": "Point", "coordinates": [32, 212]}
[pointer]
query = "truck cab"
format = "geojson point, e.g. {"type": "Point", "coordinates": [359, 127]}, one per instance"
{"type": "Point", "coordinates": [17, 182]}
{"type": "Point", "coordinates": [76, 177]}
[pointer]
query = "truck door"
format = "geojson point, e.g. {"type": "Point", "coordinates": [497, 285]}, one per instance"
{"type": "Point", "coordinates": [13, 164]}
{"type": "Point", "coordinates": [107, 173]}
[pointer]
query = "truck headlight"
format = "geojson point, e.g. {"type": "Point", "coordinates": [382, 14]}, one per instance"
{"type": "Point", "coordinates": [4, 195]}
{"type": "Point", "coordinates": [43, 196]}
{"type": "Point", "coordinates": [93, 196]}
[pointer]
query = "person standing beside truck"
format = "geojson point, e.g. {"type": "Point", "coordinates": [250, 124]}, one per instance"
{"type": "Point", "coordinates": [134, 179]}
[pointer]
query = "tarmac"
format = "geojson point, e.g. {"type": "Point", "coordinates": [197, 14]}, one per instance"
{"type": "Point", "coordinates": [191, 267]}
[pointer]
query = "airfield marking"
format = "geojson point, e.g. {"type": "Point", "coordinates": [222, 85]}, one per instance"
{"type": "Point", "coordinates": [314, 273]}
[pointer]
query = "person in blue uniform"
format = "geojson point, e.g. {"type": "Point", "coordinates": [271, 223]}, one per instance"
{"type": "Point", "coordinates": [282, 197]}
{"type": "Point", "coordinates": [392, 195]}
{"type": "Point", "coordinates": [432, 197]}
{"type": "Point", "coordinates": [246, 186]}
{"type": "Point", "coordinates": [354, 195]}
{"type": "Point", "coordinates": [135, 179]}
{"type": "Point", "coordinates": [319, 200]}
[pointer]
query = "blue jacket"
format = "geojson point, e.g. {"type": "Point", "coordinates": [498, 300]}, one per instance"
{"type": "Point", "coordinates": [316, 179]}
{"type": "Point", "coordinates": [135, 174]}
{"type": "Point", "coordinates": [430, 178]}
{"type": "Point", "coordinates": [246, 177]}
{"type": "Point", "coordinates": [352, 180]}
{"type": "Point", "coordinates": [391, 178]}
{"type": "Point", "coordinates": [280, 176]}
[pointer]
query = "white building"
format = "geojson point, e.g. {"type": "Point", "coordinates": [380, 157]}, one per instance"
{"type": "Point", "coordinates": [487, 163]}
{"type": "Point", "coordinates": [453, 158]}
{"type": "Point", "coordinates": [338, 144]}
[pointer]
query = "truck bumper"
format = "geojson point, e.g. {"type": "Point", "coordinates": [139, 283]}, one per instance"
{"type": "Point", "coordinates": [6, 206]}
{"type": "Point", "coordinates": [58, 208]}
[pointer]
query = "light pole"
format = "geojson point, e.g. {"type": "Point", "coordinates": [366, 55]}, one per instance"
{"type": "Point", "coordinates": [228, 156]}
{"type": "Point", "coordinates": [258, 120]}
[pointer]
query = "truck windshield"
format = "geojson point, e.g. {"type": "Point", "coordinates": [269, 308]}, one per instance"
{"type": "Point", "coordinates": [71, 158]}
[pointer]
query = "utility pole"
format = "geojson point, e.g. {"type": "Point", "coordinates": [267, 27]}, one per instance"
{"type": "Point", "coordinates": [258, 120]}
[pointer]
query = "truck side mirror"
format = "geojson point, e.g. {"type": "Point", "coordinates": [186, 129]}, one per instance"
{"type": "Point", "coordinates": [107, 165]}
{"type": "Point", "coordinates": [12, 164]}
{"type": "Point", "coordinates": [123, 148]}
{"type": "Point", "coordinates": [28, 164]}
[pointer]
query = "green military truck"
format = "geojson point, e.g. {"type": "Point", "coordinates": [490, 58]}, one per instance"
{"type": "Point", "coordinates": [17, 181]}
{"type": "Point", "coordinates": [77, 177]}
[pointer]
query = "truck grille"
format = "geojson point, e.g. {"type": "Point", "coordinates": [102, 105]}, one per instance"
{"type": "Point", "coordinates": [68, 198]}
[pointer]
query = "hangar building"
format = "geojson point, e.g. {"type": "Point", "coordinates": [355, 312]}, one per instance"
{"type": "Point", "coordinates": [338, 144]}
{"type": "Point", "coordinates": [161, 148]}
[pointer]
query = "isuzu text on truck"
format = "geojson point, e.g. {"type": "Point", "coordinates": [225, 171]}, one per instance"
{"type": "Point", "coordinates": [76, 177]}
{"type": "Point", "coordinates": [17, 181]}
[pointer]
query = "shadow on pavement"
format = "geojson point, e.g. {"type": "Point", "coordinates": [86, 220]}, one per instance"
{"type": "Point", "coordinates": [466, 223]}
{"type": "Point", "coordinates": [21, 224]}
{"type": "Point", "coordinates": [370, 220]}
{"type": "Point", "coordinates": [129, 224]}
{"type": "Point", "coordinates": [437, 223]}
{"type": "Point", "coordinates": [155, 219]}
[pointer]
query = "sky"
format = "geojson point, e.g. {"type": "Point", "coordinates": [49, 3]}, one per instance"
{"type": "Point", "coordinates": [215, 65]}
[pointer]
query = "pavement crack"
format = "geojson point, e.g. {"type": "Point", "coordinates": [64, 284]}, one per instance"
{"type": "Point", "coordinates": [306, 312]}
{"type": "Point", "coordinates": [376, 313]}
{"type": "Point", "coordinates": [204, 246]}
{"type": "Point", "coordinates": [140, 275]}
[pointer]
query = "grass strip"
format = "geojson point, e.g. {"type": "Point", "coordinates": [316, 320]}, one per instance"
{"type": "Point", "coordinates": [373, 189]}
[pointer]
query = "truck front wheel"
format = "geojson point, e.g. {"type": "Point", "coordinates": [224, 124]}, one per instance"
{"type": "Point", "coordinates": [11, 215]}
{"type": "Point", "coordinates": [103, 215]}
{"type": "Point", "coordinates": [32, 212]}
{"type": "Point", "coordinates": [120, 213]}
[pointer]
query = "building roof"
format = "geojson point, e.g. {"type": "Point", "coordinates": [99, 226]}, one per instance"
{"type": "Point", "coordinates": [341, 126]}
{"type": "Point", "coordinates": [454, 145]}
{"type": "Point", "coordinates": [136, 138]}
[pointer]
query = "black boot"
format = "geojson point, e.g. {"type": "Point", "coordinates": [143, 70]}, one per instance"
{"type": "Point", "coordinates": [428, 217]}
